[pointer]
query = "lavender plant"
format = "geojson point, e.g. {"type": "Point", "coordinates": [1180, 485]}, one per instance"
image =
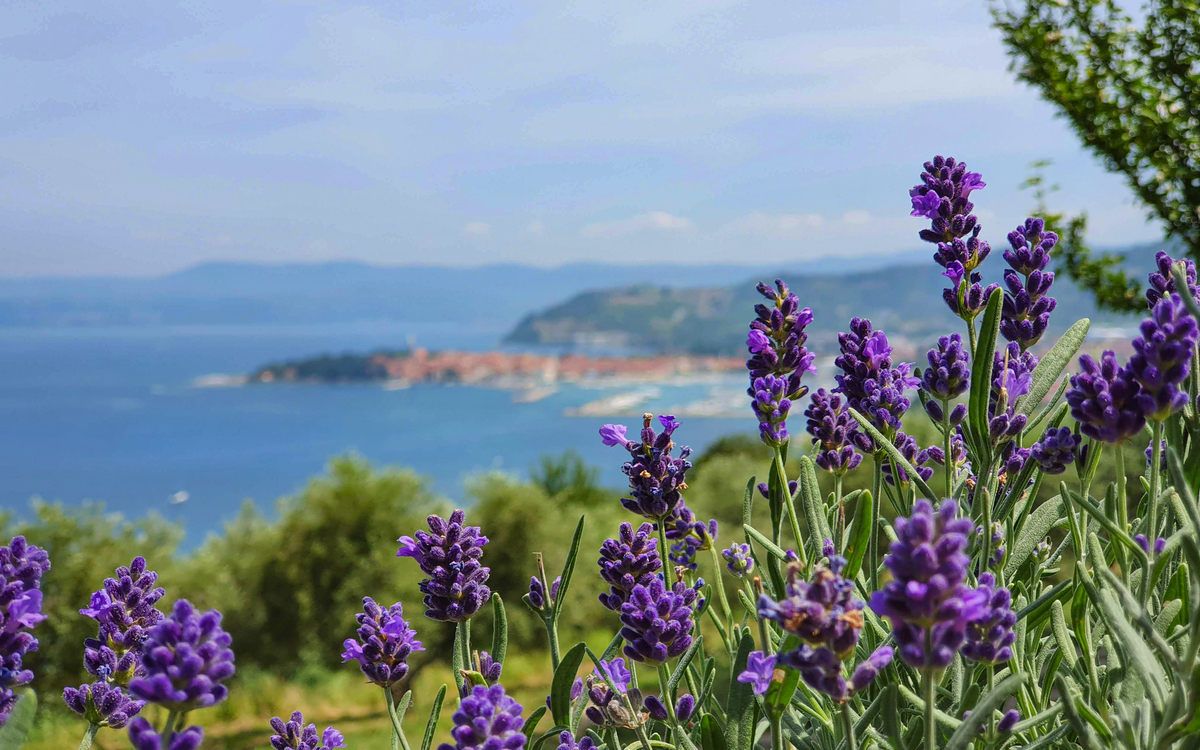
{"type": "Point", "coordinates": [1009, 611]}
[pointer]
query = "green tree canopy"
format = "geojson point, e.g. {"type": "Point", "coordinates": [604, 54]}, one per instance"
{"type": "Point", "coordinates": [1131, 90]}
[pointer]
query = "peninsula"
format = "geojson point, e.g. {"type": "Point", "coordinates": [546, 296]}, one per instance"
{"type": "Point", "coordinates": [494, 369]}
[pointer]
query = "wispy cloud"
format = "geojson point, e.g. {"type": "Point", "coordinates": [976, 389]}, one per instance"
{"type": "Point", "coordinates": [477, 229]}
{"type": "Point", "coordinates": [659, 221]}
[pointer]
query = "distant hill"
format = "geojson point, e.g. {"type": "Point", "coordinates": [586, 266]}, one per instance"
{"type": "Point", "coordinates": [306, 293]}
{"type": "Point", "coordinates": [905, 300]}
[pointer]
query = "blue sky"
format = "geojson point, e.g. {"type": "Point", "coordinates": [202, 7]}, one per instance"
{"type": "Point", "coordinates": [140, 137]}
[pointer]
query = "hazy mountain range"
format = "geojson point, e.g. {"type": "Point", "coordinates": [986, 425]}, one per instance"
{"type": "Point", "coordinates": [654, 306]}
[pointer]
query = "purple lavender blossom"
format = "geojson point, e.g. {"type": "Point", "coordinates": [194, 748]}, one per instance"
{"type": "Point", "coordinates": [777, 337]}
{"type": "Point", "coordinates": [1008, 721]}
{"type": "Point", "coordinates": [869, 382]}
{"type": "Point", "coordinates": [22, 566]}
{"type": "Point", "coordinates": [613, 434]}
{"type": "Point", "coordinates": [143, 737]}
{"type": "Point", "coordinates": [656, 709]}
{"type": "Point", "coordinates": [296, 735]}
{"type": "Point", "coordinates": [657, 621]}
{"type": "Point", "coordinates": [693, 535]}
{"type": "Point", "coordinates": [778, 360]}
{"type": "Point", "coordinates": [566, 741]}
{"type": "Point", "coordinates": [103, 704]}
{"type": "Point", "coordinates": [456, 586]}
{"type": "Point", "coordinates": [1104, 400]}
{"type": "Point", "coordinates": [1162, 357]}
{"type": "Point", "coordinates": [833, 432]}
{"type": "Point", "coordinates": [125, 610]}
{"type": "Point", "coordinates": [186, 657]}
{"type": "Point", "coordinates": [955, 230]}
{"type": "Point", "coordinates": [1026, 311]}
{"type": "Point", "coordinates": [385, 641]}
{"type": "Point", "coordinates": [821, 612]}
{"type": "Point", "coordinates": [929, 565]}
{"type": "Point", "coordinates": [1012, 376]}
{"type": "Point", "coordinates": [950, 182]}
{"type": "Point", "coordinates": [946, 378]}
{"type": "Point", "coordinates": [489, 668]}
{"type": "Point", "coordinates": [537, 593]}
{"type": "Point", "coordinates": [487, 719]}
{"type": "Point", "coordinates": [739, 560]}
{"type": "Point", "coordinates": [990, 632]}
{"type": "Point", "coordinates": [760, 670]}
{"type": "Point", "coordinates": [915, 455]}
{"type": "Point", "coordinates": [1160, 544]}
{"type": "Point", "coordinates": [867, 671]}
{"type": "Point", "coordinates": [1055, 451]}
{"type": "Point", "coordinates": [1162, 283]}
{"type": "Point", "coordinates": [617, 672]}
{"type": "Point", "coordinates": [820, 668]}
{"type": "Point", "coordinates": [628, 561]}
{"type": "Point", "coordinates": [656, 478]}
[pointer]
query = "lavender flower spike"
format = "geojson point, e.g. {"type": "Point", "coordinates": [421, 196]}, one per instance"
{"type": "Point", "coordinates": [296, 735]}
{"type": "Point", "coordinates": [103, 704]}
{"type": "Point", "coordinates": [1026, 311]}
{"type": "Point", "coordinates": [1162, 283]}
{"type": "Point", "coordinates": [186, 657]}
{"type": "Point", "coordinates": [1012, 376]}
{"type": "Point", "coordinates": [1055, 451]}
{"type": "Point", "coordinates": [833, 432]}
{"type": "Point", "coordinates": [929, 565]}
{"type": "Point", "coordinates": [143, 737]}
{"type": "Point", "coordinates": [738, 560]}
{"type": "Point", "coordinates": [990, 632]}
{"type": "Point", "coordinates": [1162, 356]}
{"type": "Point", "coordinates": [946, 378]}
{"type": "Point", "coordinates": [21, 568]}
{"type": "Point", "coordinates": [125, 610]}
{"type": "Point", "coordinates": [776, 340]}
{"type": "Point", "coordinates": [1104, 400]}
{"type": "Point", "coordinates": [657, 621]}
{"type": "Point", "coordinates": [385, 641]}
{"type": "Point", "coordinates": [870, 383]}
{"type": "Point", "coordinates": [487, 719]}
{"type": "Point", "coordinates": [456, 586]}
{"type": "Point", "coordinates": [625, 562]}
{"type": "Point", "coordinates": [656, 478]}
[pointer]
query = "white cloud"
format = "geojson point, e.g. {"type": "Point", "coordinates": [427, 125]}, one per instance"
{"type": "Point", "coordinates": [774, 225]}
{"type": "Point", "coordinates": [652, 221]}
{"type": "Point", "coordinates": [476, 229]}
{"type": "Point", "coordinates": [535, 228]}
{"type": "Point", "coordinates": [856, 217]}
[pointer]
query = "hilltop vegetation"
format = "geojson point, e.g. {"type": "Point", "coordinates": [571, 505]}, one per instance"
{"type": "Point", "coordinates": [903, 300]}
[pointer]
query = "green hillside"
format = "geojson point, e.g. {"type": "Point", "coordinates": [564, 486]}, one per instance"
{"type": "Point", "coordinates": [904, 300]}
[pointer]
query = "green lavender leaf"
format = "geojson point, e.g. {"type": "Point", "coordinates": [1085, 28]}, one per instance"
{"type": "Point", "coordinates": [435, 714]}
{"type": "Point", "coordinates": [1034, 530]}
{"type": "Point", "coordinates": [814, 505]}
{"type": "Point", "coordinates": [739, 706]}
{"type": "Point", "coordinates": [860, 534]}
{"type": "Point", "coordinates": [568, 569]}
{"type": "Point", "coordinates": [564, 678]}
{"type": "Point", "coordinates": [981, 373]}
{"type": "Point", "coordinates": [500, 629]}
{"type": "Point", "coordinates": [1052, 364]}
{"type": "Point", "coordinates": [531, 723]}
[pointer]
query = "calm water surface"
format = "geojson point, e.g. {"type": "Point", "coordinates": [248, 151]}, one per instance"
{"type": "Point", "coordinates": [111, 415]}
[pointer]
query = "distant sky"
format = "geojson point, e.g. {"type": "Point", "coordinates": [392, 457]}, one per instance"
{"type": "Point", "coordinates": [139, 137]}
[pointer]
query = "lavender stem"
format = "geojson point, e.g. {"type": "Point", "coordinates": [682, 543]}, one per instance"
{"type": "Point", "coordinates": [88, 736]}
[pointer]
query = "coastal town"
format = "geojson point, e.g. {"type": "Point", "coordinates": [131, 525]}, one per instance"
{"type": "Point", "coordinates": [493, 368]}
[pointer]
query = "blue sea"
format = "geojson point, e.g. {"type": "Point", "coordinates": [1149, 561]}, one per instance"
{"type": "Point", "coordinates": [112, 415]}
